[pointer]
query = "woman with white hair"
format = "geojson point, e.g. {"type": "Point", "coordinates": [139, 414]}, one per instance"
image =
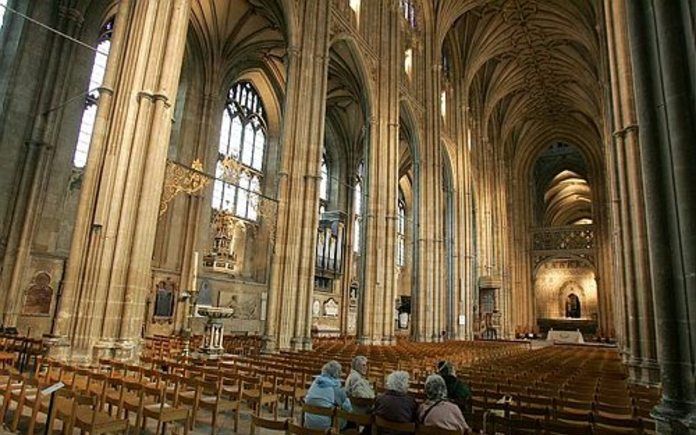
{"type": "Point", "coordinates": [326, 392]}
{"type": "Point", "coordinates": [396, 404]}
{"type": "Point", "coordinates": [437, 411]}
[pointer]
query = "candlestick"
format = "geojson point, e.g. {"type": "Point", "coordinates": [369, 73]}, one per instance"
{"type": "Point", "coordinates": [194, 272]}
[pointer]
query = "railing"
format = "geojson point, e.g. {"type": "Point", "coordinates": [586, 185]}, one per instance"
{"type": "Point", "coordinates": [568, 238]}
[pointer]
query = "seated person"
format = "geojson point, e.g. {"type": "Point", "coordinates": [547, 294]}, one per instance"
{"type": "Point", "coordinates": [357, 385]}
{"type": "Point", "coordinates": [396, 404]}
{"type": "Point", "coordinates": [437, 411]}
{"type": "Point", "coordinates": [457, 391]}
{"type": "Point", "coordinates": [326, 392]}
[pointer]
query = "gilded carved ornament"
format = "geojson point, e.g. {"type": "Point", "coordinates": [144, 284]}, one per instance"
{"type": "Point", "coordinates": [179, 178]}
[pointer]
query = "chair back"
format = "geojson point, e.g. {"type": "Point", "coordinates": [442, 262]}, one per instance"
{"type": "Point", "coordinates": [295, 429]}
{"type": "Point", "coordinates": [434, 430]}
{"type": "Point", "coordinates": [382, 423]}
{"type": "Point", "coordinates": [317, 410]}
{"type": "Point", "coordinates": [264, 423]}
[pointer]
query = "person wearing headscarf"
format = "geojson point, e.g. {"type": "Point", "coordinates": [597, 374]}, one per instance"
{"type": "Point", "coordinates": [457, 391]}
{"type": "Point", "coordinates": [326, 392]}
{"type": "Point", "coordinates": [439, 412]}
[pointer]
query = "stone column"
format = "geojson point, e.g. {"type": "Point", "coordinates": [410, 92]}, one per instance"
{"type": "Point", "coordinates": [289, 318]}
{"type": "Point", "coordinates": [661, 44]}
{"type": "Point", "coordinates": [642, 349]}
{"type": "Point", "coordinates": [379, 285]}
{"type": "Point", "coordinates": [108, 275]}
{"type": "Point", "coordinates": [429, 273]}
{"type": "Point", "coordinates": [38, 155]}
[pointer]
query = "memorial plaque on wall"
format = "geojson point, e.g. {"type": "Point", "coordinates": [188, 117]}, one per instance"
{"type": "Point", "coordinates": [39, 295]}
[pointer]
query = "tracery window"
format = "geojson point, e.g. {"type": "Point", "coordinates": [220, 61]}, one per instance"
{"type": "Point", "coordinates": [446, 65]}
{"type": "Point", "coordinates": [409, 11]}
{"type": "Point", "coordinates": [401, 232]}
{"type": "Point", "coordinates": [3, 4]}
{"type": "Point", "coordinates": [89, 114]}
{"type": "Point", "coordinates": [324, 185]}
{"type": "Point", "coordinates": [357, 208]}
{"type": "Point", "coordinates": [355, 5]}
{"type": "Point", "coordinates": [242, 142]}
{"type": "Point", "coordinates": [408, 62]}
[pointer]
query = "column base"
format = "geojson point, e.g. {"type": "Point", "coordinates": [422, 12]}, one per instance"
{"type": "Point", "coordinates": [674, 418]}
{"type": "Point", "coordinates": [296, 343]}
{"type": "Point", "coordinates": [58, 347]}
{"type": "Point", "coordinates": [269, 344]}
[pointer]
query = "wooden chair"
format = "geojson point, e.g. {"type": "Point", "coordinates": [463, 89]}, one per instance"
{"type": "Point", "coordinates": [14, 383]}
{"type": "Point", "coordinates": [299, 430]}
{"type": "Point", "coordinates": [264, 423]}
{"type": "Point", "coordinates": [382, 423]}
{"type": "Point", "coordinates": [563, 428]}
{"type": "Point", "coordinates": [255, 395]}
{"type": "Point", "coordinates": [358, 420]}
{"type": "Point", "coordinates": [29, 395]}
{"type": "Point", "coordinates": [317, 410]}
{"type": "Point", "coordinates": [166, 408]}
{"type": "Point", "coordinates": [78, 411]}
{"type": "Point", "coordinates": [209, 395]}
{"type": "Point", "coordinates": [434, 430]}
{"type": "Point", "coordinates": [603, 424]}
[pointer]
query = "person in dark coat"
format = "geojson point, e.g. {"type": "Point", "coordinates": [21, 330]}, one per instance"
{"type": "Point", "coordinates": [457, 391]}
{"type": "Point", "coordinates": [396, 404]}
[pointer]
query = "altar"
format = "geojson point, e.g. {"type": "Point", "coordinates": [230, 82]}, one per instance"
{"type": "Point", "coordinates": [565, 336]}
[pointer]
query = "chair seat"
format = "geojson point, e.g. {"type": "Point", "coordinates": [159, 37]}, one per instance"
{"type": "Point", "coordinates": [166, 413]}
{"type": "Point", "coordinates": [102, 421]}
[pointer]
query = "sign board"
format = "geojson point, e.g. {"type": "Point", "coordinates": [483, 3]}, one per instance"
{"type": "Point", "coordinates": [462, 319]}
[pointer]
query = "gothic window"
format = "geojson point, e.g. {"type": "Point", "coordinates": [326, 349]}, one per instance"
{"type": "Point", "coordinates": [446, 65]}
{"type": "Point", "coordinates": [408, 62]}
{"type": "Point", "coordinates": [401, 232]}
{"type": "Point", "coordinates": [324, 185]}
{"type": "Point", "coordinates": [3, 4]}
{"type": "Point", "coordinates": [357, 208]}
{"type": "Point", "coordinates": [409, 11]}
{"type": "Point", "coordinates": [242, 145]}
{"type": "Point", "coordinates": [95, 81]}
{"type": "Point", "coordinates": [355, 5]}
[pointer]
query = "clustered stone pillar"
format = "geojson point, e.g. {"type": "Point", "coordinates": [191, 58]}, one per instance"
{"type": "Point", "coordinates": [40, 150]}
{"type": "Point", "coordinates": [376, 322]}
{"type": "Point", "coordinates": [429, 302]}
{"type": "Point", "coordinates": [108, 274]}
{"type": "Point", "coordinates": [289, 318]}
{"type": "Point", "coordinates": [630, 224]}
{"type": "Point", "coordinates": [662, 54]}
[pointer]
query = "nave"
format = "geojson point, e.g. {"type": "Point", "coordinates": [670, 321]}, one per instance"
{"type": "Point", "coordinates": [554, 389]}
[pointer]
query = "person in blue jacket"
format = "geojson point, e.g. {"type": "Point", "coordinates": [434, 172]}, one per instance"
{"type": "Point", "coordinates": [326, 392]}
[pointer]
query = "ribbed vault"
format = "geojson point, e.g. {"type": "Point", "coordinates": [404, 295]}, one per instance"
{"type": "Point", "coordinates": [235, 35]}
{"type": "Point", "coordinates": [531, 69]}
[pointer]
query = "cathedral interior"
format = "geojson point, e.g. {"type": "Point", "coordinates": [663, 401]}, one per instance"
{"type": "Point", "coordinates": [478, 179]}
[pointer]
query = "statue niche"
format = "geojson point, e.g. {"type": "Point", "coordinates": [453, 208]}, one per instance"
{"type": "Point", "coordinates": [38, 296]}
{"type": "Point", "coordinates": [572, 306]}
